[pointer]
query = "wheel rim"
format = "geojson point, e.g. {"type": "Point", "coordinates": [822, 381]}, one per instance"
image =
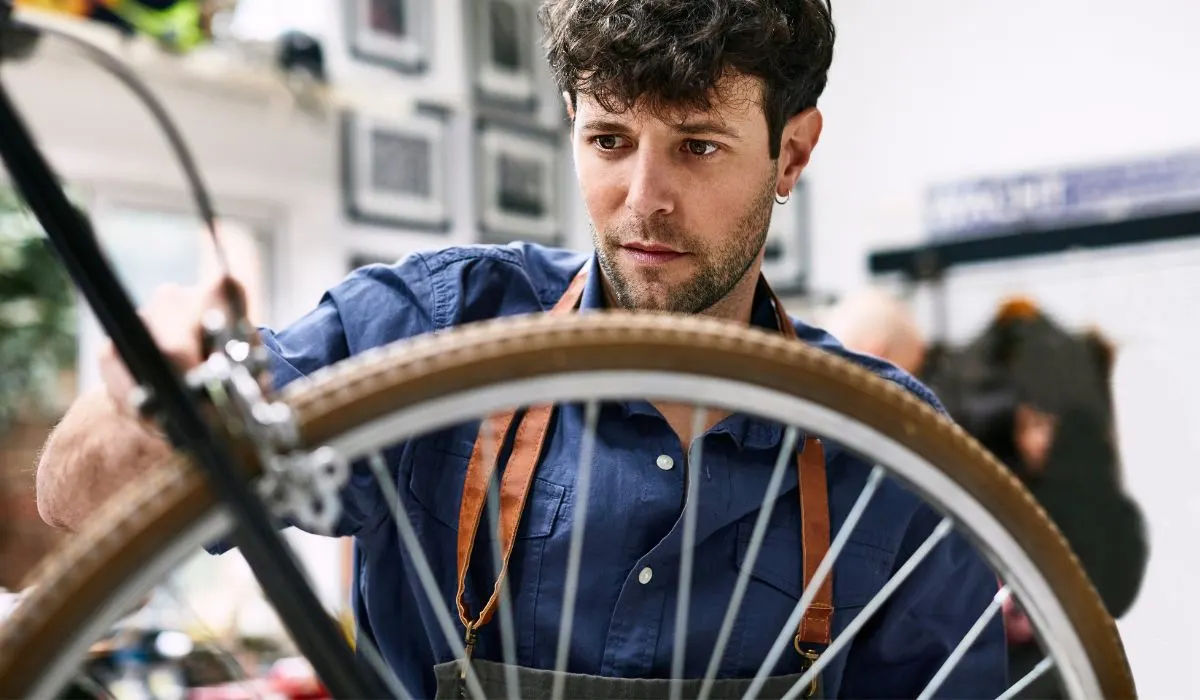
{"type": "Point", "coordinates": [987, 533]}
{"type": "Point", "coordinates": [555, 386]}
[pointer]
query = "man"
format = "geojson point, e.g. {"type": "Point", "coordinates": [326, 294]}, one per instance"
{"type": "Point", "coordinates": [688, 120]}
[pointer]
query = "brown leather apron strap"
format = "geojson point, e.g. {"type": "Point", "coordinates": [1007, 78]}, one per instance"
{"type": "Point", "coordinates": [515, 484]}
{"type": "Point", "coordinates": [782, 321]}
{"type": "Point", "coordinates": [817, 625]}
{"type": "Point", "coordinates": [816, 628]}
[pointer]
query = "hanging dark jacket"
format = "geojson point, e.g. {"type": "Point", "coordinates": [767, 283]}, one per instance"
{"type": "Point", "coordinates": [1024, 357]}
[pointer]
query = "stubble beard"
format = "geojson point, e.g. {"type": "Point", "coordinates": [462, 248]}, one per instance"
{"type": "Point", "coordinates": [720, 268]}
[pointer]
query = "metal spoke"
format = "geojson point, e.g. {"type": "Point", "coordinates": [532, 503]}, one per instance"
{"type": "Point", "coordinates": [1037, 672]}
{"type": "Point", "coordinates": [508, 641]}
{"type": "Point", "coordinates": [231, 664]}
{"type": "Point", "coordinates": [421, 564]}
{"type": "Point", "coordinates": [583, 485]}
{"type": "Point", "coordinates": [91, 684]}
{"type": "Point", "coordinates": [806, 597]}
{"type": "Point", "coordinates": [228, 660]}
{"type": "Point", "coordinates": [687, 556]}
{"type": "Point", "coordinates": [787, 454]}
{"type": "Point", "coordinates": [965, 644]}
{"type": "Point", "coordinates": [370, 652]}
{"type": "Point", "coordinates": [939, 533]}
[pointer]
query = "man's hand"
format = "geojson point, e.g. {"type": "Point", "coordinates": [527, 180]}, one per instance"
{"type": "Point", "coordinates": [174, 316]}
{"type": "Point", "coordinates": [102, 442]}
{"type": "Point", "coordinates": [1034, 437]}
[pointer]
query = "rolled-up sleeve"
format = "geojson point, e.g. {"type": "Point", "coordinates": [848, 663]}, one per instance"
{"type": "Point", "coordinates": [926, 618]}
{"type": "Point", "coordinates": [373, 306]}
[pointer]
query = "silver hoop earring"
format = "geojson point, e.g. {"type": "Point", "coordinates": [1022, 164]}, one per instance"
{"type": "Point", "coordinates": [786, 198]}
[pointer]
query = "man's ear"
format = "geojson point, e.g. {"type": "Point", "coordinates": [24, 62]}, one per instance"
{"type": "Point", "coordinates": [799, 138]}
{"type": "Point", "coordinates": [570, 104]}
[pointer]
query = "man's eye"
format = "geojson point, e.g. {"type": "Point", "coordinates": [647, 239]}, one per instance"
{"type": "Point", "coordinates": [607, 142]}
{"type": "Point", "coordinates": [701, 148]}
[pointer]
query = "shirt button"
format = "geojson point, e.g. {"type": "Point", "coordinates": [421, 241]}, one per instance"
{"type": "Point", "coordinates": [645, 575]}
{"type": "Point", "coordinates": [665, 462]}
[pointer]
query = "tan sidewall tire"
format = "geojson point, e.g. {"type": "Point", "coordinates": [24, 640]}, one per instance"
{"type": "Point", "coordinates": [84, 575]}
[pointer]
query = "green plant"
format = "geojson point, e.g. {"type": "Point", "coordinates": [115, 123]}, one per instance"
{"type": "Point", "coordinates": [37, 313]}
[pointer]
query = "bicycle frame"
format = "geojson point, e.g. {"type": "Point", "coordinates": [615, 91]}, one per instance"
{"type": "Point", "coordinates": [74, 239]}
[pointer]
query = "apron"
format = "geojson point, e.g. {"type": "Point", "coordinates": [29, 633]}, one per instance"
{"type": "Point", "coordinates": [812, 635]}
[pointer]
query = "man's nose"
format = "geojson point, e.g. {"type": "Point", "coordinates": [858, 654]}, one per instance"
{"type": "Point", "coordinates": [651, 191]}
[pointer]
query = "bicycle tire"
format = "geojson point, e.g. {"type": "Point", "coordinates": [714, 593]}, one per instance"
{"type": "Point", "coordinates": [87, 572]}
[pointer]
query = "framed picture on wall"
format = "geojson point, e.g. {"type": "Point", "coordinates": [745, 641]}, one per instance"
{"type": "Point", "coordinates": [394, 170]}
{"type": "Point", "coordinates": [505, 57]}
{"type": "Point", "coordinates": [785, 264]}
{"type": "Point", "coordinates": [518, 183]}
{"type": "Point", "coordinates": [389, 32]}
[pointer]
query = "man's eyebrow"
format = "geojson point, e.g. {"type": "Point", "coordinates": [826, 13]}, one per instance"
{"type": "Point", "coordinates": [604, 125]}
{"type": "Point", "coordinates": [706, 127]}
{"type": "Point", "coordinates": [689, 128]}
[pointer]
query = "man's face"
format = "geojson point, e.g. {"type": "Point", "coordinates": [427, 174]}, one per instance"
{"type": "Point", "coordinates": [679, 203]}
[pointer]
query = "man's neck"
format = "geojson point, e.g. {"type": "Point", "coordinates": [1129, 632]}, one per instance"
{"type": "Point", "coordinates": [737, 306]}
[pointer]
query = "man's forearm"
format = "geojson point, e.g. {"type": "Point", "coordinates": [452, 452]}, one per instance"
{"type": "Point", "coordinates": [92, 453]}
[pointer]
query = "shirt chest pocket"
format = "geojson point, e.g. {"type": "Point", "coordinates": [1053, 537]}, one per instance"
{"type": "Point", "coordinates": [776, 584]}
{"type": "Point", "coordinates": [436, 484]}
{"type": "Point", "coordinates": [439, 471]}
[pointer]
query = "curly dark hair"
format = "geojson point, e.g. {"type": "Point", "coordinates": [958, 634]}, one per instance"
{"type": "Point", "coordinates": [674, 52]}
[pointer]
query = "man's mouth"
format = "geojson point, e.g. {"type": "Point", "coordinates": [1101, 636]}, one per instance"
{"type": "Point", "coordinates": [646, 253]}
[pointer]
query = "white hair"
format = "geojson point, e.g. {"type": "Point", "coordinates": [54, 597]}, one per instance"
{"type": "Point", "coordinates": [872, 320]}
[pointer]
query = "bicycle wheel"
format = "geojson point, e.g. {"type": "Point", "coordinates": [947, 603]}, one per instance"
{"type": "Point", "coordinates": [379, 398]}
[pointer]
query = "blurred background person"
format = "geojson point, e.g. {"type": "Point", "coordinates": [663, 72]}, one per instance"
{"type": "Point", "coordinates": [874, 322]}
{"type": "Point", "coordinates": [1038, 397]}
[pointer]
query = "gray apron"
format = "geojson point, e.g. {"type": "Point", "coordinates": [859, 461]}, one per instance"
{"type": "Point", "coordinates": [814, 630]}
{"type": "Point", "coordinates": [536, 684]}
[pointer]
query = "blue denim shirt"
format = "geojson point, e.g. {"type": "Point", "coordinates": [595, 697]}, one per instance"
{"type": "Point", "coordinates": [624, 627]}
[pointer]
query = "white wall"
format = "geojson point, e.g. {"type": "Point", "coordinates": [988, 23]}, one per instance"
{"type": "Point", "coordinates": [926, 91]}
{"type": "Point", "coordinates": [929, 90]}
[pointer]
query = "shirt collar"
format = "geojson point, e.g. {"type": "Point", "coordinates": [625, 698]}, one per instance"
{"type": "Point", "coordinates": [593, 291]}
{"type": "Point", "coordinates": [746, 432]}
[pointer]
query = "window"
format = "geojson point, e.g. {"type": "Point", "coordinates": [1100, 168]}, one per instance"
{"type": "Point", "coordinates": [149, 248]}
